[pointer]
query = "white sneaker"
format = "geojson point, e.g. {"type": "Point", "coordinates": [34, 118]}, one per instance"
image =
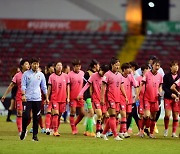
{"type": "Point", "coordinates": [98, 135]}
{"type": "Point", "coordinates": [121, 135]}
{"type": "Point", "coordinates": [174, 135]}
{"type": "Point", "coordinates": [104, 137]}
{"type": "Point", "coordinates": [152, 136]}
{"type": "Point", "coordinates": [165, 132]}
{"type": "Point", "coordinates": [117, 138]}
{"type": "Point", "coordinates": [126, 135]}
{"type": "Point", "coordinates": [47, 131]}
{"type": "Point", "coordinates": [51, 131]}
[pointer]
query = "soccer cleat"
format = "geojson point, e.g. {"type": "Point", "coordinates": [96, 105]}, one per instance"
{"type": "Point", "coordinates": [130, 131]}
{"type": "Point", "coordinates": [98, 135]}
{"type": "Point", "coordinates": [152, 136]}
{"type": "Point", "coordinates": [47, 131]}
{"type": "Point", "coordinates": [92, 134]}
{"type": "Point", "coordinates": [75, 131]}
{"type": "Point", "coordinates": [156, 129]}
{"type": "Point", "coordinates": [86, 133]}
{"type": "Point", "coordinates": [23, 135]}
{"type": "Point", "coordinates": [56, 134]}
{"type": "Point", "coordinates": [121, 135]}
{"type": "Point", "coordinates": [43, 131]}
{"type": "Point", "coordinates": [109, 134]}
{"type": "Point", "coordinates": [165, 132]}
{"type": "Point", "coordinates": [146, 131]}
{"type": "Point", "coordinates": [104, 137]}
{"type": "Point", "coordinates": [8, 120]}
{"type": "Point", "coordinates": [126, 135]}
{"type": "Point", "coordinates": [174, 135]}
{"type": "Point", "coordinates": [117, 138]}
{"type": "Point", "coordinates": [35, 138]}
{"type": "Point", "coordinates": [31, 130]}
{"type": "Point", "coordinates": [51, 131]}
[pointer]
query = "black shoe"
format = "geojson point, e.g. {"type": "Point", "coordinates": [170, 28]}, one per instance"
{"type": "Point", "coordinates": [22, 136]}
{"type": "Point", "coordinates": [146, 131]}
{"type": "Point", "coordinates": [9, 120]}
{"type": "Point", "coordinates": [35, 138]}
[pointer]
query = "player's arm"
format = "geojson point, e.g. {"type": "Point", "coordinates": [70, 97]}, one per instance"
{"type": "Point", "coordinates": [103, 87]}
{"type": "Point", "coordinates": [49, 90]}
{"type": "Point", "coordinates": [124, 92]}
{"type": "Point", "coordinates": [44, 88]}
{"type": "Point", "coordinates": [8, 90]}
{"type": "Point", "coordinates": [68, 93]}
{"type": "Point", "coordinates": [173, 88]}
{"type": "Point", "coordinates": [160, 90]}
{"type": "Point", "coordinates": [86, 86]}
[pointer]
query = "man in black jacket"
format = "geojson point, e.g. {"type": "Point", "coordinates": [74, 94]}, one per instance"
{"type": "Point", "coordinates": [169, 102]}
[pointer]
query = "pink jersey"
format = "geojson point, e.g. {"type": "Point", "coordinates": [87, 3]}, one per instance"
{"type": "Point", "coordinates": [113, 81]}
{"type": "Point", "coordinates": [129, 82]}
{"type": "Point", "coordinates": [96, 81]}
{"type": "Point", "coordinates": [152, 83]}
{"type": "Point", "coordinates": [139, 81]}
{"type": "Point", "coordinates": [76, 83]}
{"type": "Point", "coordinates": [17, 80]}
{"type": "Point", "coordinates": [58, 87]}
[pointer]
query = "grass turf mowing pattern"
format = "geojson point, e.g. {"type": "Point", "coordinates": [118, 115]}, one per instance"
{"type": "Point", "coordinates": [68, 143]}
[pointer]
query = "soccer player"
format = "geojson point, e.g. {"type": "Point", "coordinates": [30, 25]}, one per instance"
{"type": "Point", "coordinates": [153, 90]}
{"type": "Point", "coordinates": [126, 109]}
{"type": "Point", "coordinates": [58, 87]}
{"type": "Point", "coordinates": [32, 83]}
{"type": "Point", "coordinates": [112, 86]}
{"type": "Point", "coordinates": [93, 67]}
{"type": "Point", "coordinates": [144, 69]}
{"type": "Point", "coordinates": [76, 83]}
{"type": "Point", "coordinates": [95, 82]}
{"type": "Point", "coordinates": [16, 81]}
{"type": "Point", "coordinates": [169, 98]}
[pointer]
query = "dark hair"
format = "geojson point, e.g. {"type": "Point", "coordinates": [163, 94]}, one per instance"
{"type": "Point", "coordinates": [35, 59]}
{"type": "Point", "coordinates": [125, 66]}
{"type": "Point", "coordinates": [104, 68]}
{"type": "Point", "coordinates": [50, 64]}
{"type": "Point", "coordinates": [174, 62]}
{"type": "Point", "coordinates": [156, 61]}
{"type": "Point", "coordinates": [143, 67]}
{"type": "Point", "coordinates": [22, 62]}
{"type": "Point", "coordinates": [134, 64]}
{"type": "Point", "coordinates": [152, 57]}
{"type": "Point", "coordinates": [93, 62]}
{"type": "Point", "coordinates": [76, 62]}
{"type": "Point", "coordinates": [113, 61]}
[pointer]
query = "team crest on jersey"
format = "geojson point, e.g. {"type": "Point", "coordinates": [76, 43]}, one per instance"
{"type": "Point", "coordinates": [123, 106]}
{"type": "Point", "coordinates": [104, 77]}
{"type": "Point", "coordinates": [38, 77]}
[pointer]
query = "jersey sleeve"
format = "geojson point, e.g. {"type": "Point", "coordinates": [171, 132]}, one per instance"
{"type": "Point", "coordinates": [50, 80]}
{"type": "Point", "coordinates": [14, 79]}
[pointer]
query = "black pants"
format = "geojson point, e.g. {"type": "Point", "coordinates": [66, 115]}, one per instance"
{"type": "Point", "coordinates": [35, 106]}
{"type": "Point", "coordinates": [133, 114]}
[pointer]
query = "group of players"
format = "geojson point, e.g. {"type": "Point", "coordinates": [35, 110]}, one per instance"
{"type": "Point", "coordinates": [113, 92]}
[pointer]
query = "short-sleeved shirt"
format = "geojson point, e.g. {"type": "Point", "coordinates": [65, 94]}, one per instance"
{"type": "Point", "coordinates": [113, 81]}
{"type": "Point", "coordinates": [76, 83]}
{"type": "Point", "coordinates": [129, 82]}
{"type": "Point", "coordinates": [96, 81]}
{"type": "Point", "coordinates": [17, 80]}
{"type": "Point", "coordinates": [152, 83]}
{"type": "Point", "coordinates": [58, 87]}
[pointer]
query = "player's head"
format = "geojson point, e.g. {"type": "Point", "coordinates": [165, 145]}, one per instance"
{"type": "Point", "coordinates": [24, 65]}
{"type": "Point", "coordinates": [151, 59]}
{"type": "Point", "coordinates": [144, 68]}
{"type": "Point", "coordinates": [114, 64]}
{"type": "Point", "coordinates": [66, 69]}
{"type": "Point", "coordinates": [35, 64]}
{"type": "Point", "coordinates": [156, 65]}
{"type": "Point", "coordinates": [58, 67]}
{"type": "Point", "coordinates": [174, 66]}
{"type": "Point", "coordinates": [94, 65]}
{"type": "Point", "coordinates": [50, 68]}
{"type": "Point", "coordinates": [126, 68]}
{"type": "Point", "coordinates": [134, 65]}
{"type": "Point", "coordinates": [103, 69]}
{"type": "Point", "coordinates": [76, 65]}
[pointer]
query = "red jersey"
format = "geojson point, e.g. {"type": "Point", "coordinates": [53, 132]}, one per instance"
{"type": "Point", "coordinates": [113, 82]}
{"type": "Point", "coordinates": [76, 83]}
{"type": "Point", "coordinates": [152, 83]}
{"type": "Point", "coordinates": [139, 80]}
{"type": "Point", "coordinates": [17, 80]}
{"type": "Point", "coordinates": [58, 87]}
